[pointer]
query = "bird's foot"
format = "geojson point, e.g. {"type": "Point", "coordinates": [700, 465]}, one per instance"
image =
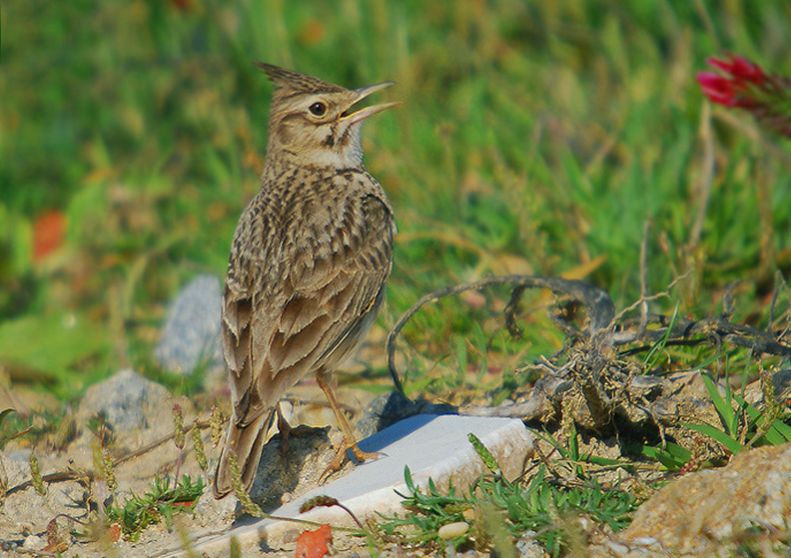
{"type": "Point", "coordinates": [340, 457]}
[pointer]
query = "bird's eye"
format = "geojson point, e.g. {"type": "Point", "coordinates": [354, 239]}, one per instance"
{"type": "Point", "coordinates": [317, 109]}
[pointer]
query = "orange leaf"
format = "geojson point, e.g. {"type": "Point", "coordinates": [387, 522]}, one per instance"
{"type": "Point", "coordinates": [314, 544]}
{"type": "Point", "coordinates": [183, 5]}
{"type": "Point", "coordinates": [184, 504]}
{"type": "Point", "coordinates": [311, 33]}
{"type": "Point", "coordinates": [48, 232]}
{"type": "Point", "coordinates": [114, 532]}
{"type": "Point", "coordinates": [55, 541]}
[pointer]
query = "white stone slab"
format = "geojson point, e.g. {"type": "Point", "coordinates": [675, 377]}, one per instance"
{"type": "Point", "coordinates": [432, 446]}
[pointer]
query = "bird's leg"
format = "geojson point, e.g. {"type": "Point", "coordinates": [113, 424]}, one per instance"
{"type": "Point", "coordinates": [349, 442]}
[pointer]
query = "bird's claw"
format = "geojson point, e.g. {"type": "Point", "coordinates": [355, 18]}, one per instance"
{"type": "Point", "coordinates": [340, 456]}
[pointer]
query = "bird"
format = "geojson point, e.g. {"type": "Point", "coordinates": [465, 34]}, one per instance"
{"type": "Point", "coordinates": [309, 260]}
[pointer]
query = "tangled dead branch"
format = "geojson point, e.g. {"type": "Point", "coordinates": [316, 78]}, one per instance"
{"type": "Point", "coordinates": [608, 386]}
{"type": "Point", "coordinates": [597, 302]}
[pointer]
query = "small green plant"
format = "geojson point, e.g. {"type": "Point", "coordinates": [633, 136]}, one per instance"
{"type": "Point", "coordinates": [672, 456]}
{"type": "Point", "coordinates": [743, 425]}
{"type": "Point", "coordinates": [429, 511]}
{"type": "Point", "coordinates": [541, 505]}
{"type": "Point", "coordinates": [161, 502]}
{"type": "Point", "coordinates": [655, 353]}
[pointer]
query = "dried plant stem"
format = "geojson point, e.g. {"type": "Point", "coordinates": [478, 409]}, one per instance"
{"type": "Point", "coordinates": [69, 475]}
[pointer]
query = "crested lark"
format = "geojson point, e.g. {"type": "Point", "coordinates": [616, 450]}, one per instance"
{"type": "Point", "coordinates": [308, 262]}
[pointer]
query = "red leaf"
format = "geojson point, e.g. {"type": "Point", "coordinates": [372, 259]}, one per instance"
{"type": "Point", "coordinates": [48, 232]}
{"type": "Point", "coordinates": [183, 504]}
{"type": "Point", "coordinates": [314, 544]}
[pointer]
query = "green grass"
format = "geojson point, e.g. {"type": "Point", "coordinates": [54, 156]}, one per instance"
{"type": "Point", "coordinates": [742, 423]}
{"type": "Point", "coordinates": [160, 503]}
{"type": "Point", "coordinates": [532, 137]}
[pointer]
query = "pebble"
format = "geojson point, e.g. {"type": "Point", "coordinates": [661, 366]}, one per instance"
{"type": "Point", "coordinates": [33, 542]}
{"type": "Point", "coordinates": [453, 530]}
{"type": "Point", "coordinates": [528, 547]}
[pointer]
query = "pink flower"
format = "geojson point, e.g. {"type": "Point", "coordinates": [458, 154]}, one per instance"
{"type": "Point", "coordinates": [731, 90]}
{"type": "Point", "coordinates": [717, 88]}
{"type": "Point", "coordinates": [740, 68]}
{"type": "Point", "coordinates": [745, 85]}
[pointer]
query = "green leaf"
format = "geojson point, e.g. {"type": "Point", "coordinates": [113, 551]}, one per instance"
{"type": "Point", "coordinates": [649, 360]}
{"type": "Point", "coordinates": [782, 428]}
{"type": "Point", "coordinates": [723, 406]}
{"type": "Point", "coordinates": [606, 461]}
{"type": "Point", "coordinates": [673, 457]}
{"type": "Point", "coordinates": [778, 433]}
{"type": "Point", "coordinates": [717, 435]}
{"type": "Point", "coordinates": [574, 447]}
{"type": "Point", "coordinates": [410, 485]}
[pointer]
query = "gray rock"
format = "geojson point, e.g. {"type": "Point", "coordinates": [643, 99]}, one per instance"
{"type": "Point", "coordinates": [15, 466]}
{"type": "Point", "coordinates": [128, 401]}
{"type": "Point", "coordinates": [191, 336]}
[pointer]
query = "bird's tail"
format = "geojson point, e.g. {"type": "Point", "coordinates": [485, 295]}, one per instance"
{"type": "Point", "coordinates": [246, 442]}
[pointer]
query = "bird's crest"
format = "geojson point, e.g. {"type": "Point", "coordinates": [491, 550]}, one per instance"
{"type": "Point", "coordinates": [294, 81]}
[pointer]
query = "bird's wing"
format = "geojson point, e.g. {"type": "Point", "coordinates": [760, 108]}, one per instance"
{"type": "Point", "coordinates": [328, 295]}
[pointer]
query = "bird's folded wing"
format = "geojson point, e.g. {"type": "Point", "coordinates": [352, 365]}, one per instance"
{"type": "Point", "coordinates": [325, 303]}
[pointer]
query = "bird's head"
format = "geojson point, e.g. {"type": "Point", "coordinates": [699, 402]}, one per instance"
{"type": "Point", "coordinates": [313, 121]}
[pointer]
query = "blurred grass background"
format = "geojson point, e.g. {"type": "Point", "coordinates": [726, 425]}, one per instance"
{"type": "Point", "coordinates": [535, 137]}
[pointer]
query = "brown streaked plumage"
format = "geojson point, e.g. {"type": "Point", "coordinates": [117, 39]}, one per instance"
{"type": "Point", "coordinates": [308, 262]}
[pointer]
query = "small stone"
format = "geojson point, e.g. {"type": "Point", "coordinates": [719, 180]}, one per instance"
{"type": "Point", "coordinates": [33, 542]}
{"type": "Point", "coordinates": [191, 335]}
{"type": "Point", "coordinates": [617, 549]}
{"type": "Point", "coordinates": [453, 530]}
{"type": "Point", "coordinates": [528, 547]}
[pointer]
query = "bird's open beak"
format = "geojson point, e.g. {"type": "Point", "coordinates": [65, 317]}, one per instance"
{"type": "Point", "coordinates": [350, 118]}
